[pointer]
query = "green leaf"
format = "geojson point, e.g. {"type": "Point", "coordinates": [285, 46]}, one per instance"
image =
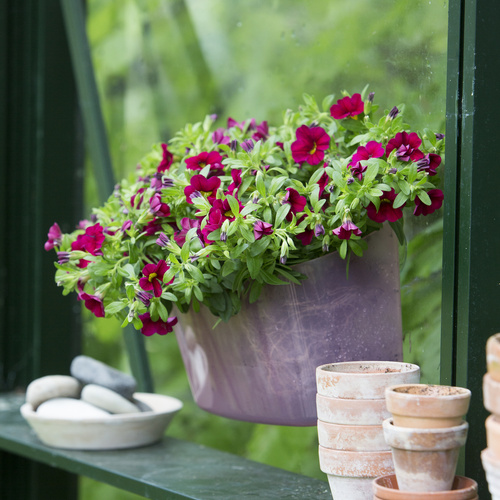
{"type": "Point", "coordinates": [343, 249]}
{"type": "Point", "coordinates": [162, 311]}
{"type": "Point", "coordinates": [400, 200]}
{"type": "Point", "coordinates": [276, 184]}
{"type": "Point", "coordinates": [259, 246]}
{"type": "Point", "coordinates": [254, 265]}
{"type": "Point", "coordinates": [249, 208]}
{"type": "Point", "coordinates": [287, 275]}
{"type": "Point", "coordinates": [261, 185]}
{"type": "Point", "coordinates": [233, 203]}
{"type": "Point", "coordinates": [115, 307]}
{"type": "Point", "coordinates": [247, 234]}
{"type": "Point", "coordinates": [195, 273]}
{"type": "Point", "coordinates": [281, 214]}
{"type": "Point", "coordinates": [424, 197]}
{"type": "Point", "coordinates": [198, 293]}
{"type": "Point", "coordinates": [398, 228]}
{"type": "Point", "coordinates": [228, 267]}
{"type": "Point", "coordinates": [255, 291]}
{"type": "Point", "coordinates": [185, 252]}
{"type": "Point", "coordinates": [356, 248]}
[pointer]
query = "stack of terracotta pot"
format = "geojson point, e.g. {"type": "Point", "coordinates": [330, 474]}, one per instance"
{"type": "Point", "coordinates": [425, 433]}
{"type": "Point", "coordinates": [491, 397]}
{"type": "Point", "coordinates": [351, 408]}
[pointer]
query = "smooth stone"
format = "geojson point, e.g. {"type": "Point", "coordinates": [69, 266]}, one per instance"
{"type": "Point", "coordinates": [108, 400]}
{"type": "Point", "coordinates": [90, 371]}
{"type": "Point", "coordinates": [70, 409]}
{"type": "Point", "coordinates": [142, 406]}
{"type": "Point", "coordinates": [52, 386]}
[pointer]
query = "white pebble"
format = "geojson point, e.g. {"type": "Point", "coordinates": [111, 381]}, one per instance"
{"type": "Point", "coordinates": [52, 386]}
{"type": "Point", "coordinates": [109, 400]}
{"type": "Point", "coordinates": [70, 409]}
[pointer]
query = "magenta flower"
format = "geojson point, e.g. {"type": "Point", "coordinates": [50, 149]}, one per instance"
{"type": "Point", "coordinates": [93, 303]}
{"type": "Point", "coordinates": [346, 230]}
{"type": "Point", "coordinates": [236, 176]}
{"type": "Point", "coordinates": [213, 158]}
{"type": "Point", "coordinates": [436, 196]}
{"type": "Point", "coordinates": [218, 137]}
{"type": "Point", "coordinates": [311, 144]}
{"type": "Point", "coordinates": [262, 132]}
{"type": "Point", "coordinates": [429, 163]}
{"type": "Point", "coordinates": [214, 222]}
{"type": "Point", "coordinates": [406, 146]}
{"type": "Point", "coordinates": [91, 241]}
{"type": "Point", "coordinates": [186, 225]}
{"type": "Point", "coordinates": [153, 276]}
{"type": "Point", "coordinates": [323, 181]}
{"type": "Point", "coordinates": [199, 183]}
{"type": "Point", "coordinates": [358, 170]}
{"type": "Point", "coordinates": [167, 160]}
{"type": "Point", "coordinates": [372, 150]}
{"type": "Point", "coordinates": [153, 226]}
{"type": "Point", "coordinates": [158, 209]}
{"type": "Point", "coordinates": [348, 107]}
{"type": "Point", "coordinates": [54, 237]}
{"type": "Point", "coordinates": [386, 210]}
{"type": "Point", "coordinates": [307, 235]}
{"type": "Point", "coordinates": [261, 229]}
{"type": "Point", "coordinates": [150, 327]}
{"type": "Point", "coordinates": [241, 125]}
{"type": "Point", "coordinates": [296, 202]}
{"type": "Point", "coordinates": [139, 201]}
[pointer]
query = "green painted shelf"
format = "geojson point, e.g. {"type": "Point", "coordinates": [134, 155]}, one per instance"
{"type": "Point", "coordinates": [171, 469]}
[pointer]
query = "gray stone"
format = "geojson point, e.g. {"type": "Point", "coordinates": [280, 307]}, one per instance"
{"type": "Point", "coordinates": [142, 406]}
{"type": "Point", "coordinates": [108, 400]}
{"type": "Point", "coordinates": [90, 371]}
{"type": "Point", "coordinates": [52, 386]}
{"type": "Point", "coordinates": [70, 409]}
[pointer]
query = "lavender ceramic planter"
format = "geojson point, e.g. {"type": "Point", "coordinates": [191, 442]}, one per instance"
{"type": "Point", "coordinates": [260, 366]}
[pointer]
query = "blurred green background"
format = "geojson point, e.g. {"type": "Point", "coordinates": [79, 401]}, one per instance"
{"type": "Point", "coordinates": [162, 63]}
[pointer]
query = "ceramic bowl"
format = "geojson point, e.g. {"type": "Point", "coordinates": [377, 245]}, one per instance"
{"type": "Point", "coordinates": [115, 432]}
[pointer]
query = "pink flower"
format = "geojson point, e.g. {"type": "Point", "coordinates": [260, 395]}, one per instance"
{"type": "Point", "coordinates": [311, 144]}
{"type": "Point", "coordinates": [167, 159]}
{"type": "Point", "coordinates": [346, 230]}
{"type": "Point", "coordinates": [262, 132]}
{"type": "Point", "coordinates": [358, 170]}
{"type": "Point", "coordinates": [386, 210]}
{"type": "Point", "coordinates": [153, 226]}
{"type": "Point", "coordinates": [429, 163]}
{"type": "Point", "coordinates": [91, 241]}
{"type": "Point", "coordinates": [241, 125]}
{"type": "Point", "coordinates": [296, 202]}
{"type": "Point", "coordinates": [153, 277]}
{"type": "Point", "coordinates": [261, 229]}
{"type": "Point", "coordinates": [213, 158]}
{"type": "Point", "coordinates": [133, 198]}
{"type": "Point", "coordinates": [93, 303]}
{"type": "Point", "coordinates": [54, 237]}
{"type": "Point", "coordinates": [236, 176]}
{"type": "Point", "coordinates": [199, 183]}
{"type": "Point", "coordinates": [436, 196]}
{"type": "Point", "coordinates": [372, 150]}
{"type": "Point", "coordinates": [218, 137]}
{"type": "Point", "coordinates": [406, 146]}
{"type": "Point", "coordinates": [150, 327]}
{"type": "Point", "coordinates": [186, 225]}
{"type": "Point", "coordinates": [348, 106]}
{"type": "Point", "coordinates": [307, 235]}
{"type": "Point", "coordinates": [158, 208]}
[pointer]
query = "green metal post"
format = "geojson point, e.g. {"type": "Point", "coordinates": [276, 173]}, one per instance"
{"type": "Point", "coordinates": [41, 159]}
{"type": "Point", "coordinates": [471, 271]}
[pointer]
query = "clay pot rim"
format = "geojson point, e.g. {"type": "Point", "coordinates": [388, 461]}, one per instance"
{"type": "Point", "coordinates": [472, 487]}
{"type": "Point", "coordinates": [431, 430]}
{"type": "Point", "coordinates": [396, 391]}
{"type": "Point", "coordinates": [361, 428]}
{"type": "Point", "coordinates": [342, 368]}
{"type": "Point", "coordinates": [348, 401]}
{"type": "Point", "coordinates": [488, 456]}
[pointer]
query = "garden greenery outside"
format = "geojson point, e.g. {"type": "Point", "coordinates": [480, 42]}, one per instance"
{"type": "Point", "coordinates": [162, 63]}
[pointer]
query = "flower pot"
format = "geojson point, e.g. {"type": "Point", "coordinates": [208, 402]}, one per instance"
{"type": "Point", "coordinates": [351, 437]}
{"type": "Point", "coordinates": [491, 394]}
{"type": "Point", "coordinates": [386, 488]}
{"type": "Point", "coordinates": [493, 435]}
{"type": "Point", "coordinates": [351, 411]}
{"type": "Point", "coordinates": [427, 406]}
{"type": "Point", "coordinates": [425, 459]}
{"type": "Point", "coordinates": [491, 466]}
{"type": "Point", "coordinates": [363, 380]}
{"type": "Point", "coordinates": [260, 366]}
{"type": "Point", "coordinates": [493, 356]}
{"type": "Point", "coordinates": [350, 473]}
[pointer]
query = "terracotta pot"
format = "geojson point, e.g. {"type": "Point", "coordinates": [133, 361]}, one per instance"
{"type": "Point", "coordinates": [493, 356]}
{"type": "Point", "coordinates": [351, 411]}
{"type": "Point", "coordinates": [425, 459]}
{"type": "Point", "coordinates": [351, 473]}
{"type": "Point", "coordinates": [352, 437]}
{"type": "Point", "coordinates": [427, 406]}
{"type": "Point", "coordinates": [386, 488]}
{"type": "Point", "coordinates": [364, 379]}
{"type": "Point", "coordinates": [491, 466]}
{"type": "Point", "coordinates": [260, 366]}
{"type": "Point", "coordinates": [491, 394]}
{"type": "Point", "coordinates": [493, 435]}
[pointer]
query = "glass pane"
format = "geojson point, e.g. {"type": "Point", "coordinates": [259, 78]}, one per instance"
{"type": "Point", "coordinates": [163, 63]}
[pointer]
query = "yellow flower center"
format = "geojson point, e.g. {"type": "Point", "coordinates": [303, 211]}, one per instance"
{"type": "Point", "coordinates": [151, 277]}
{"type": "Point", "coordinates": [313, 150]}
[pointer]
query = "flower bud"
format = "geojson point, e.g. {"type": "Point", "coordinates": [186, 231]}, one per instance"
{"type": "Point", "coordinates": [163, 240]}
